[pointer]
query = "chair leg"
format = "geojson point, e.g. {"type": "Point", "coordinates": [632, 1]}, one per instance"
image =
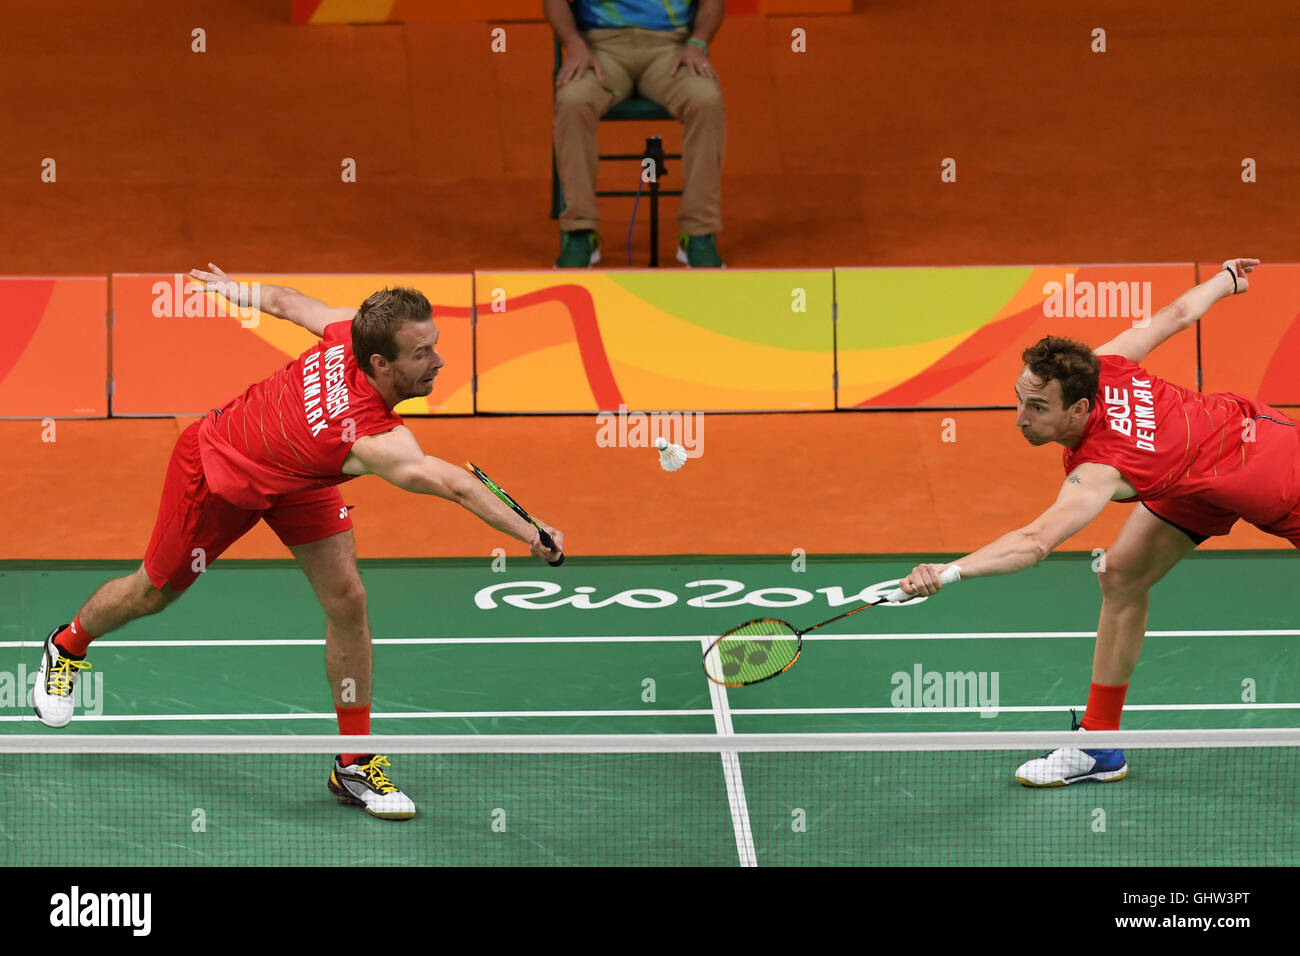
{"type": "Point", "coordinates": [557, 192]}
{"type": "Point", "coordinates": [654, 223]}
{"type": "Point", "coordinates": [654, 151]}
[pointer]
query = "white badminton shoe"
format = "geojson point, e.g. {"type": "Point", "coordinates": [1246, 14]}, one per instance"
{"type": "Point", "coordinates": [1068, 765]}
{"type": "Point", "coordinates": [54, 695]}
{"type": "Point", "coordinates": [365, 784]}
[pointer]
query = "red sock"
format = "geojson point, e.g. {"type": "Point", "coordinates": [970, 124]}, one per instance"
{"type": "Point", "coordinates": [74, 638]}
{"type": "Point", "coordinates": [353, 721]}
{"type": "Point", "coordinates": [1105, 704]}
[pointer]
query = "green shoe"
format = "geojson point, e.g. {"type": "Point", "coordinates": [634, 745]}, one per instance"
{"type": "Point", "coordinates": [699, 252]}
{"type": "Point", "coordinates": [578, 249]}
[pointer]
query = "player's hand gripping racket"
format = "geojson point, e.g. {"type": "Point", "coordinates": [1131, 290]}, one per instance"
{"type": "Point", "coordinates": [759, 650]}
{"type": "Point", "coordinates": [547, 540]}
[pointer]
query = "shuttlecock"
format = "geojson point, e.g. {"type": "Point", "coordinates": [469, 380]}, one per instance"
{"type": "Point", "coordinates": [671, 457]}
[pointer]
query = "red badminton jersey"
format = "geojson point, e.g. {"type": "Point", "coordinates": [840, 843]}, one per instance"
{"type": "Point", "coordinates": [1171, 442]}
{"type": "Point", "coordinates": [292, 431]}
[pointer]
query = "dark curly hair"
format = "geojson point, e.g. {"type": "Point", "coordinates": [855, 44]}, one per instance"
{"type": "Point", "coordinates": [1071, 363]}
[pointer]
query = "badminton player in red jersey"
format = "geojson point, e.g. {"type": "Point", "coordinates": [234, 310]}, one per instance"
{"type": "Point", "coordinates": [277, 453]}
{"type": "Point", "coordinates": [1197, 463]}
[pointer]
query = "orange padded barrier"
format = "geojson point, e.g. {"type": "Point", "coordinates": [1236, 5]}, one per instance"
{"type": "Point", "coordinates": [54, 350]}
{"type": "Point", "coordinates": [177, 351]}
{"type": "Point", "coordinates": [1251, 344]}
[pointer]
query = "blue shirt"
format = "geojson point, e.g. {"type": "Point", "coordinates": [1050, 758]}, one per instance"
{"type": "Point", "coordinates": [647, 14]}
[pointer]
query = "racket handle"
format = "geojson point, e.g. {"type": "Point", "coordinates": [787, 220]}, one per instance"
{"type": "Point", "coordinates": [949, 575]}
{"type": "Point", "coordinates": [549, 543]}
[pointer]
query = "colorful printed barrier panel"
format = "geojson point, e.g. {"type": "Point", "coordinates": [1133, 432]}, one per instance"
{"type": "Point", "coordinates": [54, 351]}
{"type": "Point", "coordinates": [179, 351]}
{"type": "Point", "coordinates": [725, 341]}
{"type": "Point", "coordinates": [652, 340]}
{"type": "Point", "coordinates": [1250, 344]}
{"type": "Point", "coordinates": [943, 338]}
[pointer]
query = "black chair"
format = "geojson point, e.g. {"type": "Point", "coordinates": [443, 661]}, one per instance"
{"type": "Point", "coordinates": [633, 108]}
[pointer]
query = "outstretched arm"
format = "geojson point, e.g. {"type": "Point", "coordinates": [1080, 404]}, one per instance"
{"type": "Point", "coordinates": [396, 457]}
{"type": "Point", "coordinates": [276, 300]}
{"type": "Point", "coordinates": [1138, 342]}
{"type": "Point", "coordinates": [1083, 495]}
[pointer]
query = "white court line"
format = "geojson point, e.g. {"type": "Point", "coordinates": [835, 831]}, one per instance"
{"type": "Point", "coordinates": [320, 641]}
{"type": "Point", "coordinates": [721, 713]}
{"type": "Point", "coordinates": [1054, 708]}
{"type": "Point", "coordinates": [407, 715]}
{"type": "Point", "coordinates": [1013, 635]}
{"type": "Point", "coordinates": [736, 801]}
{"type": "Point", "coordinates": [658, 638]}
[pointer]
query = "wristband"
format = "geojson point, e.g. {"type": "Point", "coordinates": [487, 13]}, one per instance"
{"type": "Point", "coordinates": [699, 43]}
{"type": "Point", "coordinates": [1234, 279]}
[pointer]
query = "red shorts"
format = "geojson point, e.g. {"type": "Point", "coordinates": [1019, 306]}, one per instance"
{"type": "Point", "coordinates": [195, 526]}
{"type": "Point", "coordinates": [1265, 493]}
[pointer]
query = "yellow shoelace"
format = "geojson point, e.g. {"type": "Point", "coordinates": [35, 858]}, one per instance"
{"type": "Point", "coordinates": [59, 681]}
{"type": "Point", "coordinates": [375, 774]}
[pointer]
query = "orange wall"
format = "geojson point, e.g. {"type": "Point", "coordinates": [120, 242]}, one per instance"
{"type": "Point", "coordinates": [451, 11]}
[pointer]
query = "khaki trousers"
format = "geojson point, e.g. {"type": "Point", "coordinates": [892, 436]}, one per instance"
{"type": "Point", "coordinates": [639, 60]}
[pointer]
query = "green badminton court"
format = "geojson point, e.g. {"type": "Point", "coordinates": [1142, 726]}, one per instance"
{"type": "Point", "coordinates": [613, 646]}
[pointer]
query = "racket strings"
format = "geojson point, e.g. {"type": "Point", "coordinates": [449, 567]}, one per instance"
{"type": "Point", "coordinates": [752, 652]}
